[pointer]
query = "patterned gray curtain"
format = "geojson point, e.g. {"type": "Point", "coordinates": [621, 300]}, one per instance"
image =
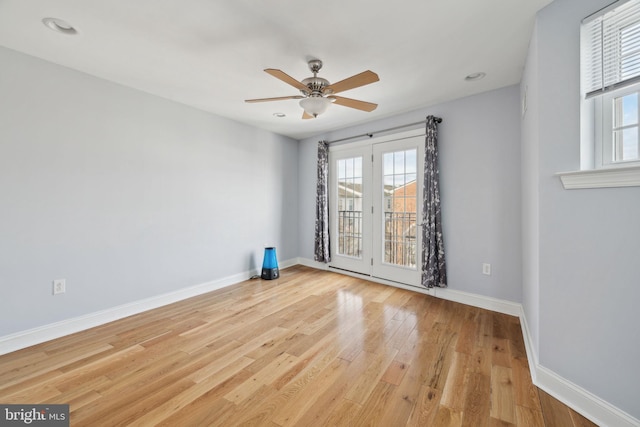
{"type": "Point", "coordinates": [434, 267]}
{"type": "Point", "coordinates": [321, 253]}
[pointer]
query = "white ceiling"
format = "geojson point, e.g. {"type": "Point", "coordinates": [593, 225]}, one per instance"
{"type": "Point", "coordinates": [210, 54]}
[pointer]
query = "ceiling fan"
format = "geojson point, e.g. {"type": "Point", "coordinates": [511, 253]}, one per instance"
{"type": "Point", "coordinates": [317, 93]}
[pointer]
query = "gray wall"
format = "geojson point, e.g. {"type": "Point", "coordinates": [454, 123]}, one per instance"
{"type": "Point", "coordinates": [126, 195]}
{"type": "Point", "coordinates": [479, 141]}
{"type": "Point", "coordinates": [589, 240]}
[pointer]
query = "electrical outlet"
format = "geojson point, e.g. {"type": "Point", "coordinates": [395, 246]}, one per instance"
{"type": "Point", "coordinates": [486, 269]}
{"type": "Point", "coordinates": [59, 286]}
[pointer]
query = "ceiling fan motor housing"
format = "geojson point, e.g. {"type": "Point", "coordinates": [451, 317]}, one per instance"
{"type": "Point", "coordinates": [315, 85]}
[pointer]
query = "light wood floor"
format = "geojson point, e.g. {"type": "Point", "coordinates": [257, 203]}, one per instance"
{"type": "Point", "coordinates": [310, 349]}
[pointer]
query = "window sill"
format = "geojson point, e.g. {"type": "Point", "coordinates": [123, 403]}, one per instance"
{"type": "Point", "coordinates": [601, 178]}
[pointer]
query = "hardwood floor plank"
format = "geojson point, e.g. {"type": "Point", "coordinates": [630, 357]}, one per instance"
{"type": "Point", "coordinates": [363, 366]}
{"type": "Point", "coordinates": [484, 332]}
{"type": "Point", "coordinates": [31, 383]}
{"type": "Point", "coordinates": [199, 414]}
{"type": "Point", "coordinates": [185, 397]}
{"type": "Point", "coordinates": [147, 376]}
{"type": "Point", "coordinates": [579, 420]}
{"type": "Point", "coordinates": [410, 347]}
{"type": "Point", "coordinates": [466, 337]}
{"type": "Point", "coordinates": [311, 348]}
{"type": "Point", "coordinates": [501, 328]}
{"type": "Point", "coordinates": [344, 414]}
{"type": "Point", "coordinates": [426, 407]}
{"type": "Point", "coordinates": [82, 374]}
{"type": "Point", "coordinates": [453, 394]}
{"type": "Point", "coordinates": [525, 392]}
{"type": "Point", "coordinates": [529, 417]}
{"type": "Point", "coordinates": [447, 417]}
{"type": "Point", "coordinates": [300, 366]}
{"type": "Point", "coordinates": [375, 365]}
{"type": "Point", "coordinates": [296, 383]}
{"type": "Point", "coordinates": [516, 341]}
{"type": "Point", "coordinates": [394, 373]}
{"type": "Point", "coordinates": [502, 395]}
{"type": "Point", "coordinates": [34, 394]}
{"type": "Point", "coordinates": [379, 333]}
{"type": "Point", "coordinates": [266, 376]}
{"type": "Point", "coordinates": [300, 404]}
{"type": "Point", "coordinates": [500, 354]}
{"type": "Point", "coordinates": [375, 405]}
{"type": "Point", "coordinates": [477, 407]}
{"type": "Point", "coordinates": [272, 349]}
{"type": "Point", "coordinates": [400, 336]}
{"type": "Point", "coordinates": [20, 359]}
{"type": "Point", "coordinates": [123, 409]}
{"type": "Point", "coordinates": [208, 406]}
{"type": "Point", "coordinates": [404, 398]}
{"type": "Point", "coordinates": [553, 411]}
{"type": "Point", "coordinates": [383, 296]}
{"type": "Point", "coordinates": [57, 361]}
{"type": "Point", "coordinates": [440, 348]}
{"type": "Point", "coordinates": [81, 395]}
{"type": "Point", "coordinates": [480, 361]}
{"type": "Point", "coordinates": [233, 416]}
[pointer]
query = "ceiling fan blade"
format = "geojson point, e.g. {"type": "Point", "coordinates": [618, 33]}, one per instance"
{"type": "Point", "coordinates": [354, 103]}
{"type": "Point", "coordinates": [287, 79]}
{"type": "Point", "coordinates": [364, 78]}
{"type": "Point", "coordinates": [306, 115]}
{"type": "Point", "coordinates": [280, 98]}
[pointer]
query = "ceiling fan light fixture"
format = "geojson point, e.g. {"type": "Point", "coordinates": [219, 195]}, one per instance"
{"type": "Point", "coordinates": [315, 105]}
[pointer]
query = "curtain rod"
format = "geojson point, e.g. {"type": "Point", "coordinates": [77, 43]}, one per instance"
{"type": "Point", "coordinates": [370, 135]}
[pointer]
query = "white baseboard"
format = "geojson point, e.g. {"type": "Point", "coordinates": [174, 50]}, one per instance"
{"type": "Point", "coordinates": [481, 301]}
{"type": "Point", "coordinates": [23, 339]}
{"type": "Point", "coordinates": [582, 401]}
{"type": "Point", "coordinates": [577, 398]}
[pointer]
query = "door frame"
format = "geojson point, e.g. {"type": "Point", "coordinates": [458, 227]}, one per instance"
{"type": "Point", "coordinates": [365, 266]}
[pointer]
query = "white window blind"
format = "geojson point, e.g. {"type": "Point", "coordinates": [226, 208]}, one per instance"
{"type": "Point", "coordinates": [611, 48]}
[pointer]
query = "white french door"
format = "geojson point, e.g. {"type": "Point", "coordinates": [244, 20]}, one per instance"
{"type": "Point", "coordinates": [350, 209]}
{"type": "Point", "coordinates": [397, 207]}
{"type": "Point", "coordinates": [375, 208]}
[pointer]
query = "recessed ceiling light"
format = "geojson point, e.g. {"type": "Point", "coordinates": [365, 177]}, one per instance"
{"type": "Point", "coordinates": [59, 25]}
{"type": "Point", "coordinates": [475, 76]}
{"type": "Point", "coordinates": [280, 115]}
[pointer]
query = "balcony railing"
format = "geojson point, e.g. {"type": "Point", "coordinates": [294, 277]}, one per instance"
{"type": "Point", "coordinates": [400, 238]}
{"type": "Point", "coordinates": [350, 233]}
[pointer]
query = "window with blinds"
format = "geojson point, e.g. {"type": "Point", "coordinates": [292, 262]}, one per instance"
{"type": "Point", "coordinates": [610, 73]}
{"type": "Point", "coordinates": [611, 48]}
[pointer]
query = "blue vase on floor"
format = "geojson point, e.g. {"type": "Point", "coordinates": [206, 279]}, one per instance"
{"type": "Point", "coordinates": [270, 264]}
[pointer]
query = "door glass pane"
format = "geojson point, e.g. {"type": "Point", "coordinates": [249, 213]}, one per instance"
{"type": "Point", "coordinates": [350, 207]}
{"type": "Point", "coordinates": [400, 207]}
